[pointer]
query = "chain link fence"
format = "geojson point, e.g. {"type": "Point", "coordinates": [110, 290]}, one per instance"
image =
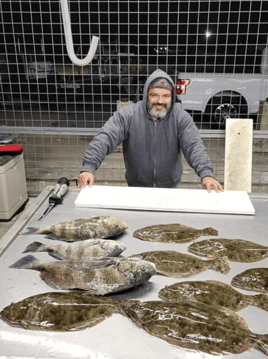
{"type": "Point", "coordinates": [215, 51]}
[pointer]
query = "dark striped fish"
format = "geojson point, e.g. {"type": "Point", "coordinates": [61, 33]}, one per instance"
{"type": "Point", "coordinates": [98, 277]}
{"type": "Point", "coordinates": [83, 228]}
{"type": "Point", "coordinates": [89, 248]}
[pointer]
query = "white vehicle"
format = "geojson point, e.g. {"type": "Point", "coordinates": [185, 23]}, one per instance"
{"type": "Point", "coordinates": [37, 68]}
{"type": "Point", "coordinates": [222, 95]}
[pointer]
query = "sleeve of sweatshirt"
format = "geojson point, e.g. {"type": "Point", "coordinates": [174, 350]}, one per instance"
{"type": "Point", "coordinates": [104, 143]}
{"type": "Point", "coordinates": [193, 147]}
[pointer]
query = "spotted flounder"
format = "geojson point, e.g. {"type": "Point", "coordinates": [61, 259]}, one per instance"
{"type": "Point", "coordinates": [98, 277]}
{"type": "Point", "coordinates": [173, 232]}
{"type": "Point", "coordinates": [180, 265]}
{"type": "Point", "coordinates": [212, 292]}
{"type": "Point", "coordinates": [89, 248]}
{"type": "Point", "coordinates": [196, 326]}
{"type": "Point", "coordinates": [59, 311]}
{"type": "Point", "coordinates": [237, 250]}
{"type": "Point", "coordinates": [252, 279]}
{"type": "Point", "coordinates": [83, 228]}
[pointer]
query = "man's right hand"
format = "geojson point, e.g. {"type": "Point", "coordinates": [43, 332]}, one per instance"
{"type": "Point", "coordinates": [85, 178]}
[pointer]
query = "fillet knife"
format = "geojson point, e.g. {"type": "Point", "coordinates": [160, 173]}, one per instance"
{"type": "Point", "coordinates": [57, 196]}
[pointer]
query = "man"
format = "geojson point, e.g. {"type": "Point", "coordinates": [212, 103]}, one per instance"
{"type": "Point", "coordinates": [153, 131]}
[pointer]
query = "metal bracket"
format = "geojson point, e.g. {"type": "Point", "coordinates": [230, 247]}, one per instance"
{"type": "Point", "coordinates": [69, 38]}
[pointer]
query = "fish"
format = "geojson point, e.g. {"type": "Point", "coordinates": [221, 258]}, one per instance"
{"type": "Point", "coordinates": [89, 248]}
{"type": "Point", "coordinates": [98, 277]}
{"type": "Point", "coordinates": [214, 293]}
{"type": "Point", "coordinates": [59, 311]}
{"type": "Point", "coordinates": [174, 232]}
{"type": "Point", "coordinates": [180, 265]}
{"type": "Point", "coordinates": [252, 279]}
{"type": "Point", "coordinates": [195, 326]}
{"type": "Point", "coordinates": [82, 228]}
{"type": "Point", "coordinates": [237, 250]}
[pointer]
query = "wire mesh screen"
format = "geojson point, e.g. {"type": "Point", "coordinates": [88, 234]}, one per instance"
{"type": "Point", "coordinates": [215, 51]}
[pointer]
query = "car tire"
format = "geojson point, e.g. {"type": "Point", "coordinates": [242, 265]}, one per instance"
{"type": "Point", "coordinates": [222, 107]}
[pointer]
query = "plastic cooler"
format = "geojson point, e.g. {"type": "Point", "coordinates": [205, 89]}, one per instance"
{"type": "Point", "coordinates": [13, 189]}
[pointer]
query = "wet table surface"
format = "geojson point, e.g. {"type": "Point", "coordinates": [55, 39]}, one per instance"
{"type": "Point", "coordinates": [117, 337]}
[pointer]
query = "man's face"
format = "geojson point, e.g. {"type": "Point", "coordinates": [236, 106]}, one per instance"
{"type": "Point", "coordinates": [159, 102]}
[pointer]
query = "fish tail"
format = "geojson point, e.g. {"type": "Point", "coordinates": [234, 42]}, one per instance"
{"type": "Point", "coordinates": [35, 247]}
{"type": "Point", "coordinates": [25, 262]}
{"type": "Point", "coordinates": [30, 230]}
{"type": "Point", "coordinates": [236, 281]}
{"type": "Point", "coordinates": [127, 307]}
{"type": "Point", "coordinates": [220, 264]}
{"type": "Point", "coordinates": [261, 341]}
{"type": "Point", "coordinates": [260, 301]}
{"type": "Point", "coordinates": [210, 231]}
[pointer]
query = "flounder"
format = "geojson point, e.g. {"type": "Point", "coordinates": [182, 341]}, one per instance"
{"type": "Point", "coordinates": [98, 277]}
{"type": "Point", "coordinates": [237, 250]}
{"type": "Point", "coordinates": [212, 292]}
{"type": "Point", "coordinates": [173, 232]}
{"type": "Point", "coordinates": [83, 228]}
{"type": "Point", "coordinates": [89, 248]}
{"type": "Point", "coordinates": [59, 311]}
{"type": "Point", "coordinates": [196, 326]}
{"type": "Point", "coordinates": [252, 279]}
{"type": "Point", "coordinates": [180, 265]}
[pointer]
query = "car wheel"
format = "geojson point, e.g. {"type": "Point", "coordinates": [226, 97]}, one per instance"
{"type": "Point", "coordinates": [222, 107]}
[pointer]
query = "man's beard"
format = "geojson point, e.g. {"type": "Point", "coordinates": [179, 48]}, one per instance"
{"type": "Point", "coordinates": [156, 113]}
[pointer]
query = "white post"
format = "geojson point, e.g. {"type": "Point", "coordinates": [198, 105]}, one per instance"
{"type": "Point", "coordinates": [238, 154]}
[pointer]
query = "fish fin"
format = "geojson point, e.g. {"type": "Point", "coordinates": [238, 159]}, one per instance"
{"type": "Point", "coordinates": [24, 262]}
{"type": "Point", "coordinates": [100, 263]}
{"type": "Point", "coordinates": [93, 242]}
{"type": "Point", "coordinates": [30, 230]}
{"type": "Point", "coordinates": [51, 236]}
{"type": "Point", "coordinates": [261, 341]}
{"type": "Point", "coordinates": [34, 247]}
{"type": "Point", "coordinates": [54, 254]}
{"type": "Point", "coordinates": [220, 264]}
{"type": "Point", "coordinates": [54, 238]}
{"type": "Point", "coordinates": [260, 301]}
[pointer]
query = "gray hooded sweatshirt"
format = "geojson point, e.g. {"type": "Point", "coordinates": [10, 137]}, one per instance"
{"type": "Point", "coordinates": [152, 150]}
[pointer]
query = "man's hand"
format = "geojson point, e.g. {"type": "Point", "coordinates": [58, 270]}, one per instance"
{"type": "Point", "coordinates": [85, 178]}
{"type": "Point", "coordinates": [208, 182]}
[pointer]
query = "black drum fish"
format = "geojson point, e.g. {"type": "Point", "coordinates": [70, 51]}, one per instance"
{"type": "Point", "coordinates": [83, 228]}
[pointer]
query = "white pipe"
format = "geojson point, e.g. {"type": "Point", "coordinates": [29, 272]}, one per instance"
{"type": "Point", "coordinates": [69, 38]}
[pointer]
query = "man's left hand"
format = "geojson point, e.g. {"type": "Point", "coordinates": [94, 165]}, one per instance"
{"type": "Point", "coordinates": [208, 182]}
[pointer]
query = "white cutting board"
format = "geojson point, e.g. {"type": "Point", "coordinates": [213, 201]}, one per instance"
{"type": "Point", "coordinates": [165, 199]}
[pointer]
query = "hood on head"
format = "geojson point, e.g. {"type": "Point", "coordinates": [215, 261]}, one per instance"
{"type": "Point", "coordinates": [155, 75]}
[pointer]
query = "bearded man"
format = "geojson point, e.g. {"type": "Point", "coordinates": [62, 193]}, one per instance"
{"type": "Point", "coordinates": [154, 132]}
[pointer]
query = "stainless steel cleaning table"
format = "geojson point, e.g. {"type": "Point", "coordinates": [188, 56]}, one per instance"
{"type": "Point", "coordinates": [118, 337]}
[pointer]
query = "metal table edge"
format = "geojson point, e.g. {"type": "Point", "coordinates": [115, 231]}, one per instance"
{"type": "Point", "coordinates": [18, 226]}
